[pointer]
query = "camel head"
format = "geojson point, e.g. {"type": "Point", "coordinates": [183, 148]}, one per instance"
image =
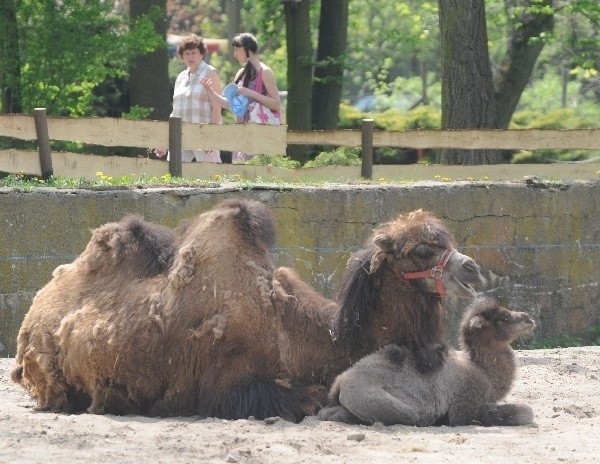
{"type": "Point", "coordinates": [418, 248]}
{"type": "Point", "coordinates": [486, 319]}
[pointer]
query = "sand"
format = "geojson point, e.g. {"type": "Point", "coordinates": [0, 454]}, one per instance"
{"type": "Point", "coordinates": [562, 386]}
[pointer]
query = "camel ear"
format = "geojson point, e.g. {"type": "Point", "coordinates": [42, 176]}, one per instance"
{"type": "Point", "coordinates": [476, 322]}
{"type": "Point", "coordinates": [385, 242]}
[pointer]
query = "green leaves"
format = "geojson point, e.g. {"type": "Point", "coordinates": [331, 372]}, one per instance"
{"type": "Point", "coordinates": [69, 48]}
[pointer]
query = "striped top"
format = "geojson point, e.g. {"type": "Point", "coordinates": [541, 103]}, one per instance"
{"type": "Point", "coordinates": [190, 100]}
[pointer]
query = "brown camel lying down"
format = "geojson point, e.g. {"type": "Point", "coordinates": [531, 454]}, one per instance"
{"type": "Point", "coordinates": [390, 386]}
{"type": "Point", "coordinates": [196, 321]}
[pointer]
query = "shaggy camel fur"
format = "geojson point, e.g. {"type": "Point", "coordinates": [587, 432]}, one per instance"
{"type": "Point", "coordinates": [377, 305]}
{"type": "Point", "coordinates": [389, 387]}
{"type": "Point", "coordinates": [197, 322]}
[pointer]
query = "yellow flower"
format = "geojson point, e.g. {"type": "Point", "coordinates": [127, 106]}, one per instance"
{"type": "Point", "coordinates": [99, 173]}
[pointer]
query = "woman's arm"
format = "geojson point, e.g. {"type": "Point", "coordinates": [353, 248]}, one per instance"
{"type": "Point", "coordinates": [216, 88]}
{"type": "Point", "coordinates": [216, 99]}
{"type": "Point", "coordinates": [272, 99]}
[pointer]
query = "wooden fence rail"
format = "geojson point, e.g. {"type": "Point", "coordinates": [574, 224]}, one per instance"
{"type": "Point", "coordinates": [252, 138]}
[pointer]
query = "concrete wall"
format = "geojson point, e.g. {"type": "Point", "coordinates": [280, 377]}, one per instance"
{"type": "Point", "coordinates": [544, 237]}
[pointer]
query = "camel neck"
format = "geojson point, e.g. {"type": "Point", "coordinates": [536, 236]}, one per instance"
{"type": "Point", "coordinates": [499, 362]}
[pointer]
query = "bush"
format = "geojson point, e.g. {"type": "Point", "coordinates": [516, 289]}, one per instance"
{"type": "Point", "coordinates": [421, 117]}
{"type": "Point", "coordinates": [563, 118]}
{"type": "Point", "coordinates": [278, 161]}
{"type": "Point", "coordinates": [342, 156]}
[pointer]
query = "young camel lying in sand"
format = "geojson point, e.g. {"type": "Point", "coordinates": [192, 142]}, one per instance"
{"type": "Point", "coordinates": [393, 386]}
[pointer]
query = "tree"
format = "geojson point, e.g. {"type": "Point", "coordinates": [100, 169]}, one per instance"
{"type": "Point", "coordinates": [66, 50]}
{"type": "Point", "coordinates": [467, 89]}
{"type": "Point", "coordinates": [10, 61]}
{"type": "Point", "coordinates": [232, 9]}
{"type": "Point", "coordinates": [469, 98]}
{"type": "Point", "coordinates": [149, 77]}
{"type": "Point", "coordinates": [329, 68]}
{"type": "Point", "coordinates": [527, 25]}
{"type": "Point", "coordinates": [299, 76]}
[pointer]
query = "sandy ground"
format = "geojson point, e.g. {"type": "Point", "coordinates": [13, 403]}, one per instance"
{"type": "Point", "coordinates": [562, 386]}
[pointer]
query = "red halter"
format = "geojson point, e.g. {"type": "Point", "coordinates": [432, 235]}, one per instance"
{"type": "Point", "coordinates": [434, 273]}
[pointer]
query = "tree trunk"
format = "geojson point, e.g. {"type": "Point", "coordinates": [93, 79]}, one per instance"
{"type": "Point", "coordinates": [233, 10]}
{"type": "Point", "coordinates": [149, 77]}
{"type": "Point", "coordinates": [521, 56]}
{"type": "Point", "coordinates": [299, 72]}
{"type": "Point", "coordinates": [329, 69]}
{"type": "Point", "coordinates": [467, 86]}
{"type": "Point", "coordinates": [10, 62]}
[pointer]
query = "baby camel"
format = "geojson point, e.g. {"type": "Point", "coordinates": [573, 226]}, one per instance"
{"type": "Point", "coordinates": [393, 386]}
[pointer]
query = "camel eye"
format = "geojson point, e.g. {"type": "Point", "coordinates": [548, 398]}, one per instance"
{"type": "Point", "coordinates": [423, 252]}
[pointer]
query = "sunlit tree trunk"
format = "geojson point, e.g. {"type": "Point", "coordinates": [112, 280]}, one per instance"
{"type": "Point", "coordinates": [467, 86]}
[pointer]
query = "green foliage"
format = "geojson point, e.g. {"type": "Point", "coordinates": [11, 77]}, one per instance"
{"type": "Point", "coordinates": [559, 341]}
{"type": "Point", "coordinates": [137, 113]}
{"type": "Point", "coordinates": [102, 181]}
{"type": "Point", "coordinates": [562, 118]}
{"type": "Point", "coordinates": [595, 334]}
{"type": "Point", "coordinates": [385, 40]}
{"type": "Point", "coordinates": [273, 160]}
{"type": "Point", "coordinates": [549, 156]}
{"type": "Point", "coordinates": [341, 156]}
{"type": "Point", "coordinates": [70, 48]}
{"type": "Point", "coordinates": [566, 341]}
{"type": "Point", "coordinates": [421, 117]}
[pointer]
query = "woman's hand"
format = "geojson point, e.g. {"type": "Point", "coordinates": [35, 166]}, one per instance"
{"type": "Point", "coordinates": [206, 83]}
{"type": "Point", "coordinates": [247, 92]}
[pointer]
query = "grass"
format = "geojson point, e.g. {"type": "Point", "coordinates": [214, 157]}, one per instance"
{"type": "Point", "coordinates": [567, 341]}
{"type": "Point", "coordinates": [103, 181]}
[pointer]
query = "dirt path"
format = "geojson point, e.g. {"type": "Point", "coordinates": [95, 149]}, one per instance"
{"type": "Point", "coordinates": [562, 386]}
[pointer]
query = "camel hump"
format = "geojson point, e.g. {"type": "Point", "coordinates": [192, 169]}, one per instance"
{"type": "Point", "coordinates": [255, 221]}
{"type": "Point", "coordinates": [146, 249]}
{"type": "Point", "coordinates": [395, 354]}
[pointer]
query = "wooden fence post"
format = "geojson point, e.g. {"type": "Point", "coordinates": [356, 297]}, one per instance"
{"type": "Point", "coordinates": [41, 129]}
{"type": "Point", "coordinates": [366, 170]}
{"type": "Point", "coordinates": [175, 146]}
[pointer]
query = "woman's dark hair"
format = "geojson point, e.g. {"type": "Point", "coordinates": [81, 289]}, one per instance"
{"type": "Point", "coordinates": [249, 43]}
{"type": "Point", "coordinates": [189, 42]}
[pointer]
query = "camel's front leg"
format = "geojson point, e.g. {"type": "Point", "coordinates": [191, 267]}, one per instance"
{"type": "Point", "coordinates": [373, 404]}
{"type": "Point", "coordinates": [338, 414]}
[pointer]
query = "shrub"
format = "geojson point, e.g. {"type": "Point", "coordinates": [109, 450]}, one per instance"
{"type": "Point", "coordinates": [342, 156]}
{"type": "Point", "coordinates": [278, 161]}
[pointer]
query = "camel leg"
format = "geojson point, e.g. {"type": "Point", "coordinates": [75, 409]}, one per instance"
{"type": "Point", "coordinates": [464, 414]}
{"type": "Point", "coordinates": [506, 414]}
{"type": "Point", "coordinates": [338, 414]}
{"type": "Point", "coordinates": [46, 381]}
{"type": "Point", "coordinates": [373, 404]}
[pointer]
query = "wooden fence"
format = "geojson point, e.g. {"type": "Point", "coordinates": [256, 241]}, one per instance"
{"type": "Point", "coordinates": [251, 138]}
